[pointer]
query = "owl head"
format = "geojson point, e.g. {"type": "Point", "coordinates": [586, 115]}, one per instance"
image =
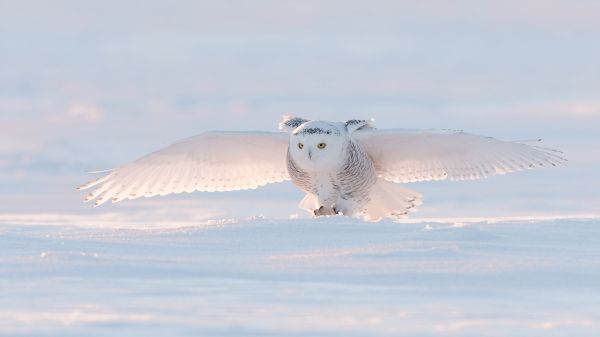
{"type": "Point", "coordinates": [319, 145]}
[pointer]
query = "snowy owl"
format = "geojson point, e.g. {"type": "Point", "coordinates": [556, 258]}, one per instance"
{"type": "Point", "coordinates": [348, 168]}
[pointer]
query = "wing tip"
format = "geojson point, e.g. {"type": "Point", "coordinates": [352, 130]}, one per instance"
{"type": "Point", "coordinates": [97, 181]}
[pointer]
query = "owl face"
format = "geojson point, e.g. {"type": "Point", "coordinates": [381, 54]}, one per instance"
{"type": "Point", "coordinates": [318, 146]}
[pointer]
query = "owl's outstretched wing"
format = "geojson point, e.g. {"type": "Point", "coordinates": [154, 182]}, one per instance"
{"type": "Point", "coordinates": [211, 161]}
{"type": "Point", "coordinates": [407, 156]}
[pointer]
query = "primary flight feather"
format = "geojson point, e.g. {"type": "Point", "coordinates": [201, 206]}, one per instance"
{"type": "Point", "coordinates": [344, 167]}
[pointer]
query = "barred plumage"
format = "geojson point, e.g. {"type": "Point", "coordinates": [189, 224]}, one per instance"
{"type": "Point", "coordinates": [350, 185]}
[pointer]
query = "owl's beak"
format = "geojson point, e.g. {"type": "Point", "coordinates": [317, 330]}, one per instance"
{"type": "Point", "coordinates": [309, 154]}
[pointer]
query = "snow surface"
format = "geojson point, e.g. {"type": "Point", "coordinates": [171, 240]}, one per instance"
{"type": "Point", "coordinates": [302, 277]}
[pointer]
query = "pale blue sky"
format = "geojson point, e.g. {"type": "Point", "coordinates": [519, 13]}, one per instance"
{"type": "Point", "coordinates": [91, 85]}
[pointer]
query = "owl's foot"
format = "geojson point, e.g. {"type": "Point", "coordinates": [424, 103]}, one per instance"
{"type": "Point", "coordinates": [326, 211]}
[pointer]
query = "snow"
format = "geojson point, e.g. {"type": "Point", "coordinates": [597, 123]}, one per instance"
{"type": "Point", "coordinates": [300, 277]}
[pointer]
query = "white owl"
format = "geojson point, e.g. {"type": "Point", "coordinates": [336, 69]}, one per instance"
{"type": "Point", "coordinates": [349, 168]}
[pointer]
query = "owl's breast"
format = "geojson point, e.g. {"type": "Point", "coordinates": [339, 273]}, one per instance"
{"type": "Point", "coordinates": [301, 178]}
{"type": "Point", "coordinates": [357, 175]}
{"type": "Point", "coordinates": [351, 179]}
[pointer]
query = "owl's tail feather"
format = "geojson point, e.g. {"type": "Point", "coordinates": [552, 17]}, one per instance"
{"type": "Point", "coordinates": [390, 200]}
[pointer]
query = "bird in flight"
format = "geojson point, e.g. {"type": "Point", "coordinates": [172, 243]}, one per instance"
{"type": "Point", "coordinates": [348, 168]}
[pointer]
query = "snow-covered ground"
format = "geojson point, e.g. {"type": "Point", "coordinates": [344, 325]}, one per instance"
{"type": "Point", "coordinates": [91, 85]}
{"type": "Point", "coordinates": [301, 277]}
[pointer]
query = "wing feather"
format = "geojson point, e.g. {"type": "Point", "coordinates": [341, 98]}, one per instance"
{"type": "Point", "coordinates": [410, 155]}
{"type": "Point", "coordinates": [211, 161]}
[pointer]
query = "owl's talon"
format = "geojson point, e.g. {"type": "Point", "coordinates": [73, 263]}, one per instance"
{"type": "Point", "coordinates": [325, 211]}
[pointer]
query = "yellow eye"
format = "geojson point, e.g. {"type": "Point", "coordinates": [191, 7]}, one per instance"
{"type": "Point", "coordinates": [321, 146]}
{"type": "Point", "coordinates": [300, 146]}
